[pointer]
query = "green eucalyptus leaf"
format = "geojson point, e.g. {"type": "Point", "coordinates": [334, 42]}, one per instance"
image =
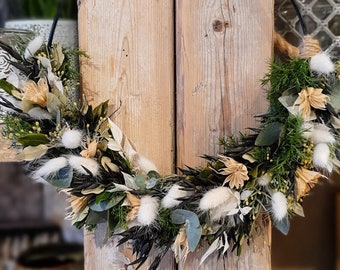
{"type": "Point", "coordinates": [193, 227]}
{"type": "Point", "coordinates": [178, 216]}
{"type": "Point", "coordinates": [151, 183]}
{"type": "Point", "coordinates": [105, 205]}
{"type": "Point", "coordinates": [94, 218]}
{"type": "Point", "coordinates": [63, 178]}
{"type": "Point", "coordinates": [140, 181]}
{"type": "Point", "coordinates": [33, 139]}
{"type": "Point", "coordinates": [30, 153]}
{"type": "Point", "coordinates": [282, 225]}
{"type": "Point", "coordinates": [269, 135]}
{"type": "Point", "coordinates": [154, 174]}
{"type": "Point", "coordinates": [194, 233]}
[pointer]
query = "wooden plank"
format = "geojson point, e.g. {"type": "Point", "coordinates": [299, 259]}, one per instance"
{"type": "Point", "coordinates": [222, 51]}
{"type": "Point", "coordinates": [131, 48]}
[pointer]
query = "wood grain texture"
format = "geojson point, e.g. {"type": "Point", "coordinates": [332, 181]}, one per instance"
{"type": "Point", "coordinates": [131, 48]}
{"type": "Point", "coordinates": [222, 52]}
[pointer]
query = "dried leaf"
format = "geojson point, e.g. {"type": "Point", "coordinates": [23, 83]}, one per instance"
{"type": "Point", "coordinates": [30, 153]}
{"type": "Point", "coordinates": [96, 190]}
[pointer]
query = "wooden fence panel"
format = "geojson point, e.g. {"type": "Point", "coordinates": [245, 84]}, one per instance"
{"type": "Point", "coordinates": [131, 48]}
{"type": "Point", "coordinates": [222, 52]}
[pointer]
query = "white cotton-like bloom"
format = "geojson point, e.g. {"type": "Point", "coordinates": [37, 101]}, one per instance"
{"type": "Point", "coordinates": [33, 46]}
{"type": "Point", "coordinates": [321, 157]}
{"type": "Point", "coordinates": [307, 128]}
{"type": "Point", "coordinates": [215, 197]}
{"type": "Point", "coordinates": [72, 138]}
{"type": "Point", "coordinates": [79, 163]}
{"type": "Point", "coordinates": [321, 134]}
{"type": "Point", "coordinates": [51, 167]}
{"type": "Point", "coordinates": [171, 198]}
{"type": "Point", "coordinates": [321, 63]}
{"type": "Point", "coordinates": [142, 164]}
{"type": "Point", "coordinates": [148, 210]}
{"type": "Point", "coordinates": [264, 180]}
{"type": "Point", "coordinates": [221, 202]}
{"type": "Point", "coordinates": [279, 206]}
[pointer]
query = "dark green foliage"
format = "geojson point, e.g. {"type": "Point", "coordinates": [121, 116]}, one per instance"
{"type": "Point", "coordinates": [288, 155]}
{"type": "Point", "coordinates": [291, 77]}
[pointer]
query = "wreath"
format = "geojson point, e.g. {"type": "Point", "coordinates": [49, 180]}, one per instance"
{"type": "Point", "coordinates": [75, 147]}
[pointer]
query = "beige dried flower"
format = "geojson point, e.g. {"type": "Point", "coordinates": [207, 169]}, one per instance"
{"type": "Point", "coordinates": [237, 173]}
{"type": "Point", "coordinates": [305, 180]}
{"type": "Point", "coordinates": [181, 246]}
{"type": "Point", "coordinates": [311, 97]}
{"type": "Point", "coordinates": [133, 202]}
{"type": "Point", "coordinates": [90, 151]}
{"type": "Point", "coordinates": [36, 92]}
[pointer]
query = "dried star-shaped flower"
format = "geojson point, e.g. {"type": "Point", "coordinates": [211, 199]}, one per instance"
{"type": "Point", "coordinates": [305, 180]}
{"type": "Point", "coordinates": [36, 92]}
{"type": "Point", "coordinates": [91, 150]}
{"type": "Point", "coordinates": [311, 97]}
{"type": "Point", "coordinates": [236, 172]}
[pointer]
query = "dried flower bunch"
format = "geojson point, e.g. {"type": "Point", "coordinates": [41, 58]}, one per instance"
{"type": "Point", "coordinates": [78, 149]}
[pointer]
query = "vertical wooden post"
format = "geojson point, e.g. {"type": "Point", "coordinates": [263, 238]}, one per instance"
{"type": "Point", "coordinates": [131, 48]}
{"type": "Point", "coordinates": [222, 52]}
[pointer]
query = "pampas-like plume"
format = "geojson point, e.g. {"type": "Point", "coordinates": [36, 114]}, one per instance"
{"type": "Point", "coordinates": [215, 197]}
{"type": "Point", "coordinates": [279, 206]}
{"type": "Point", "coordinates": [175, 192]}
{"type": "Point", "coordinates": [33, 46]}
{"type": "Point", "coordinates": [78, 163]}
{"type": "Point", "coordinates": [143, 164]}
{"type": "Point", "coordinates": [321, 63]}
{"type": "Point", "coordinates": [321, 134]}
{"type": "Point", "coordinates": [321, 156]}
{"type": "Point", "coordinates": [264, 180]}
{"type": "Point", "coordinates": [148, 210]}
{"type": "Point", "coordinates": [72, 138]}
{"type": "Point", "coordinates": [50, 167]}
{"type": "Point", "coordinates": [221, 201]}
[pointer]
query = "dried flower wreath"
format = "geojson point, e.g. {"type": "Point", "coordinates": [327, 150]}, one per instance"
{"type": "Point", "coordinates": [78, 149]}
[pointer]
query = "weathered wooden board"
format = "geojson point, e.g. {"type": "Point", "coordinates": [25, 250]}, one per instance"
{"type": "Point", "coordinates": [131, 48]}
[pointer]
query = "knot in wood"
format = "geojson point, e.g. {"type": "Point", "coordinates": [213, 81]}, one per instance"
{"type": "Point", "coordinates": [219, 26]}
